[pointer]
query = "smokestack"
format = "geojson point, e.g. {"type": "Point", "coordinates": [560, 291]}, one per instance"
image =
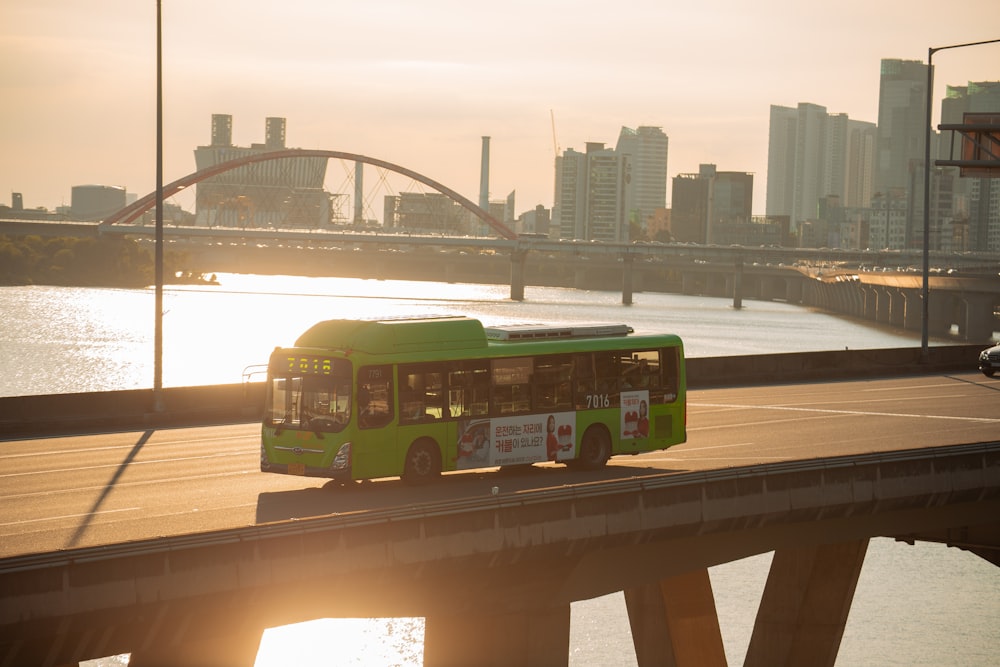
{"type": "Point", "coordinates": [484, 177]}
{"type": "Point", "coordinates": [359, 191]}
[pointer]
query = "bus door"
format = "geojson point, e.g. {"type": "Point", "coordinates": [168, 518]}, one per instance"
{"type": "Point", "coordinates": [374, 452]}
{"type": "Point", "coordinates": [424, 414]}
{"type": "Point", "coordinates": [468, 435]}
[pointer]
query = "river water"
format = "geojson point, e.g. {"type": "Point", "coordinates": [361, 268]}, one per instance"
{"type": "Point", "coordinates": [915, 605]}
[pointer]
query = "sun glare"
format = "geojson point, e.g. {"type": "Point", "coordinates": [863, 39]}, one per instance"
{"type": "Point", "coordinates": [373, 642]}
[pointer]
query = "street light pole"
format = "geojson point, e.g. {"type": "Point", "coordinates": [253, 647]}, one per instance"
{"type": "Point", "coordinates": [925, 290]}
{"type": "Point", "coordinates": [158, 250]}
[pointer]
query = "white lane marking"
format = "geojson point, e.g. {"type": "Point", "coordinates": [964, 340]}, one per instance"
{"type": "Point", "coordinates": [863, 413]}
{"type": "Point", "coordinates": [108, 448]}
{"type": "Point", "coordinates": [122, 485]}
{"type": "Point", "coordinates": [69, 516]}
{"type": "Point", "coordinates": [50, 471]}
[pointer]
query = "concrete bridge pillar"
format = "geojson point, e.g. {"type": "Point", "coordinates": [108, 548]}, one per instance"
{"type": "Point", "coordinates": [738, 284]}
{"type": "Point", "coordinates": [913, 310]}
{"type": "Point", "coordinates": [674, 622]}
{"type": "Point", "coordinates": [870, 311]}
{"type": "Point", "coordinates": [882, 305]}
{"type": "Point", "coordinates": [794, 290]}
{"type": "Point", "coordinates": [939, 313]}
{"type": "Point", "coordinates": [897, 307]}
{"type": "Point", "coordinates": [627, 269]}
{"type": "Point", "coordinates": [857, 300]}
{"type": "Point", "coordinates": [517, 260]}
{"type": "Point", "coordinates": [535, 637]}
{"type": "Point", "coordinates": [227, 642]}
{"type": "Point", "coordinates": [979, 321]}
{"type": "Point", "coordinates": [805, 604]}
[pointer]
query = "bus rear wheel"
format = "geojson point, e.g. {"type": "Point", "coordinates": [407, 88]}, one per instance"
{"type": "Point", "coordinates": [595, 448]}
{"type": "Point", "coordinates": [423, 463]}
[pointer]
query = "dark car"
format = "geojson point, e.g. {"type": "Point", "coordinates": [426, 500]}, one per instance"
{"type": "Point", "coordinates": [989, 360]}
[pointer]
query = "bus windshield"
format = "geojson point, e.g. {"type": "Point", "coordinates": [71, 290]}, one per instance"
{"type": "Point", "coordinates": [302, 399]}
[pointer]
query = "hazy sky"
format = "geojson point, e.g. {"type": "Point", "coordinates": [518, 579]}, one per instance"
{"type": "Point", "coordinates": [419, 83]}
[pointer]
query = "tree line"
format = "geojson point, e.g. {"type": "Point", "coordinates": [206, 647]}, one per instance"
{"type": "Point", "coordinates": [105, 261]}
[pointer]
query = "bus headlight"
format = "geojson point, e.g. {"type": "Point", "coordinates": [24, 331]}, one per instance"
{"type": "Point", "coordinates": [343, 458]}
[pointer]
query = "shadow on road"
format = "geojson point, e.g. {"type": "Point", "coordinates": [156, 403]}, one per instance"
{"type": "Point", "coordinates": [335, 498]}
{"type": "Point", "coordinates": [89, 517]}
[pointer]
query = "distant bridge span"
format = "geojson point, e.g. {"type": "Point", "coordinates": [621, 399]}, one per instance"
{"type": "Point", "coordinates": [140, 206]}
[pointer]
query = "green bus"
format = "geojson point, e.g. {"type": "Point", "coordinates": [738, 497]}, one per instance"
{"type": "Point", "coordinates": [413, 397]}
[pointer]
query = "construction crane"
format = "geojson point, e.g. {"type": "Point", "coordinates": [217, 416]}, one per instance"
{"type": "Point", "coordinates": [555, 143]}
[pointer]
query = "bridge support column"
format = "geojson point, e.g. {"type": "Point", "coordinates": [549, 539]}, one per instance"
{"type": "Point", "coordinates": [674, 622]}
{"type": "Point", "coordinates": [517, 259]}
{"type": "Point", "coordinates": [939, 313]}
{"type": "Point", "coordinates": [913, 310]}
{"type": "Point", "coordinates": [534, 637]}
{"type": "Point", "coordinates": [212, 647]}
{"type": "Point", "coordinates": [805, 605]}
{"type": "Point", "coordinates": [627, 280]}
{"type": "Point", "coordinates": [979, 321]}
{"type": "Point", "coordinates": [738, 284]}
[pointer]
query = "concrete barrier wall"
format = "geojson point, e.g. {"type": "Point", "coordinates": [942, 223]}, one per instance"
{"type": "Point", "coordinates": [23, 416]}
{"type": "Point", "coordinates": [705, 372]}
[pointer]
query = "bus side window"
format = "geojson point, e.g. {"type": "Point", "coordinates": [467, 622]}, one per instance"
{"type": "Point", "coordinates": [469, 389]}
{"type": "Point", "coordinates": [421, 393]}
{"type": "Point", "coordinates": [511, 386]}
{"type": "Point", "coordinates": [552, 383]}
{"type": "Point", "coordinates": [641, 370]}
{"type": "Point", "coordinates": [583, 379]}
{"type": "Point", "coordinates": [374, 396]}
{"type": "Point", "coordinates": [608, 374]}
{"type": "Point", "coordinates": [669, 372]}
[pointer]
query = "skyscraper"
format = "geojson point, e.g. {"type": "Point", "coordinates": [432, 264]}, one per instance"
{"type": "Point", "coordinates": [902, 125]}
{"type": "Point", "coordinates": [974, 218]}
{"type": "Point", "coordinates": [813, 155]}
{"type": "Point", "coordinates": [646, 149]}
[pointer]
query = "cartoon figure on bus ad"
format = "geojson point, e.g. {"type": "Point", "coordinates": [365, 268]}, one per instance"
{"type": "Point", "coordinates": [473, 444]}
{"type": "Point", "coordinates": [559, 440]}
{"type": "Point", "coordinates": [635, 414]}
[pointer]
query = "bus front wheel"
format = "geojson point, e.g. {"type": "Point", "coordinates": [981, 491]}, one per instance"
{"type": "Point", "coordinates": [423, 462]}
{"type": "Point", "coordinates": [595, 448]}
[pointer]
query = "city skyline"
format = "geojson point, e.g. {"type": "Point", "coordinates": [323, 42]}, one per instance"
{"type": "Point", "coordinates": [420, 85]}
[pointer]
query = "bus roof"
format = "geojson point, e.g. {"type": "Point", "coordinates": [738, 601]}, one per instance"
{"type": "Point", "coordinates": [520, 332]}
{"type": "Point", "coordinates": [395, 335]}
{"type": "Point", "coordinates": [446, 334]}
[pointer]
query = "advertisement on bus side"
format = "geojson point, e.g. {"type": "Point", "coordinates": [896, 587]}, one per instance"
{"type": "Point", "coordinates": [504, 441]}
{"type": "Point", "coordinates": [635, 414]}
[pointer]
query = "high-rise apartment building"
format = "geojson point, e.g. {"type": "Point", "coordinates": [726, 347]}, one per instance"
{"type": "Point", "coordinates": [570, 206]}
{"type": "Point", "coordinates": [592, 200]}
{"type": "Point", "coordinates": [814, 155]}
{"type": "Point", "coordinates": [286, 192]}
{"type": "Point", "coordinates": [646, 150]}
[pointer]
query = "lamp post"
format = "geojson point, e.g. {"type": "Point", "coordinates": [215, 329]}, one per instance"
{"type": "Point", "coordinates": [925, 291]}
{"type": "Point", "coordinates": [158, 250]}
